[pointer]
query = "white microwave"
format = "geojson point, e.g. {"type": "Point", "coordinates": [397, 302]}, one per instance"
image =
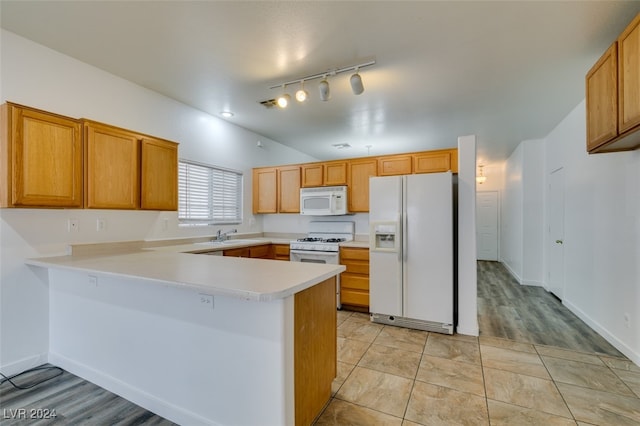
{"type": "Point", "coordinates": [323, 201]}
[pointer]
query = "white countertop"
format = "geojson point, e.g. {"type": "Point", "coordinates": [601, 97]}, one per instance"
{"type": "Point", "coordinates": [251, 279]}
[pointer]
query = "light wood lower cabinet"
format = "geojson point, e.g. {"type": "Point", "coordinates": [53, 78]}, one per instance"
{"type": "Point", "coordinates": [315, 346]}
{"type": "Point", "coordinates": [41, 158]}
{"type": "Point", "coordinates": [280, 251]}
{"type": "Point", "coordinates": [262, 251]}
{"type": "Point", "coordinates": [354, 282]}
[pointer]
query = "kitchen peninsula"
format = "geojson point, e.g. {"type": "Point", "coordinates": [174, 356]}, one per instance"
{"type": "Point", "coordinates": [197, 339]}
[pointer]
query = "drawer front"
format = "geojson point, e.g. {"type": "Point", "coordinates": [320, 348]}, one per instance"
{"type": "Point", "coordinates": [354, 297]}
{"type": "Point", "coordinates": [354, 282]}
{"type": "Point", "coordinates": [238, 252]}
{"type": "Point", "coordinates": [354, 253]}
{"type": "Point", "coordinates": [357, 267]}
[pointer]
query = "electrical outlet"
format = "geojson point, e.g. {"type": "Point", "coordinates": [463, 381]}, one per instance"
{"type": "Point", "coordinates": [165, 224]}
{"type": "Point", "coordinates": [72, 225]}
{"type": "Point", "coordinates": [93, 280]}
{"type": "Point", "coordinates": [206, 300]}
{"type": "Point", "coordinates": [101, 225]}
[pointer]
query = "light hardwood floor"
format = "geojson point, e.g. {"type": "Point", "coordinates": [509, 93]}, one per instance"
{"type": "Point", "coordinates": [394, 376]}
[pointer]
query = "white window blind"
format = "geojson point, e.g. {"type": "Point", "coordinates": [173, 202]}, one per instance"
{"type": "Point", "coordinates": [208, 194]}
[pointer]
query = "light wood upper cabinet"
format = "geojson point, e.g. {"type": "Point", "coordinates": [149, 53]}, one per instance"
{"type": "Point", "coordinates": [629, 77]}
{"type": "Point", "coordinates": [391, 165]}
{"type": "Point", "coordinates": [613, 95]}
{"type": "Point", "coordinates": [436, 161]}
{"type": "Point", "coordinates": [601, 99]}
{"type": "Point", "coordinates": [41, 156]}
{"type": "Point", "coordinates": [335, 173]}
{"type": "Point", "coordinates": [359, 172]}
{"type": "Point", "coordinates": [112, 167]}
{"type": "Point", "coordinates": [312, 174]}
{"type": "Point", "coordinates": [158, 174]}
{"type": "Point", "coordinates": [332, 173]}
{"type": "Point", "coordinates": [265, 190]}
{"type": "Point", "coordinates": [289, 189]}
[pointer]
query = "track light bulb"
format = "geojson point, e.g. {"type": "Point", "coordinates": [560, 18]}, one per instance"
{"type": "Point", "coordinates": [283, 100]}
{"type": "Point", "coordinates": [323, 87]}
{"type": "Point", "coordinates": [356, 83]}
{"type": "Point", "coordinates": [302, 95]}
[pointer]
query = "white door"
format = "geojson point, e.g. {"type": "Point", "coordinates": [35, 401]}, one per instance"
{"type": "Point", "coordinates": [487, 225]}
{"type": "Point", "coordinates": [555, 237]}
{"type": "Point", "coordinates": [428, 247]}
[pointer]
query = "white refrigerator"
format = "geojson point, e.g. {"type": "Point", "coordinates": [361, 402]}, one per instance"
{"type": "Point", "coordinates": [411, 251]}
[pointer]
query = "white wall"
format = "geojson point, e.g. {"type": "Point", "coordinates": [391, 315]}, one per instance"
{"type": "Point", "coordinates": [467, 270]}
{"type": "Point", "coordinates": [33, 75]}
{"type": "Point", "coordinates": [602, 233]}
{"type": "Point", "coordinates": [523, 213]}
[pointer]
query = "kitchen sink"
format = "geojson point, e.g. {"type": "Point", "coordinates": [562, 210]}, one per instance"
{"type": "Point", "coordinates": [228, 242]}
{"type": "Point", "coordinates": [239, 241]}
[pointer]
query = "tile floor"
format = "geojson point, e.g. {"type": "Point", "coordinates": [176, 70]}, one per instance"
{"type": "Point", "coordinates": [395, 376]}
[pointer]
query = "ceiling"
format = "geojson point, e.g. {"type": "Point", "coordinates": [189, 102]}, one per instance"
{"type": "Point", "coordinates": [504, 71]}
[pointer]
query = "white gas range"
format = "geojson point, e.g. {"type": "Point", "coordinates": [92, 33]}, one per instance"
{"type": "Point", "coordinates": [322, 245]}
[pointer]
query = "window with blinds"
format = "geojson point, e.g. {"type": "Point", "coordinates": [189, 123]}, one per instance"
{"type": "Point", "coordinates": [208, 194]}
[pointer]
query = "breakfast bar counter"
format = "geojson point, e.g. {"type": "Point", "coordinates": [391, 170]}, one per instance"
{"type": "Point", "coordinates": [197, 339]}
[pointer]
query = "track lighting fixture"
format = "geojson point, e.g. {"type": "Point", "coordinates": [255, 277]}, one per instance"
{"type": "Point", "coordinates": [325, 92]}
{"type": "Point", "coordinates": [283, 100]}
{"type": "Point", "coordinates": [301, 94]}
{"type": "Point", "coordinates": [356, 83]}
{"type": "Point", "coordinates": [357, 87]}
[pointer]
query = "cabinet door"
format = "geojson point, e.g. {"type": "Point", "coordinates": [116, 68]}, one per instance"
{"type": "Point", "coordinates": [159, 175]}
{"type": "Point", "coordinates": [395, 165]}
{"type": "Point", "coordinates": [629, 76]}
{"type": "Point", "coordinates": [434, 162]}
{"type": "Point", "coordinates": [265, 193]}
{"type": "Point", "coordinates": [335, 173]}
{"type": "Point", "coordinates": [260, 252]}
{"type": "Point", "coordinates": [112, 167]}
{"type": "Point", "coordinates": [601, 99]}
{"type": "Point", "coordinates": [358, 178]}
{"type": "Point", "coordinates": [289, 189]}
{"type": "Point", "coordinates": [312, 175]}
{"type": "Point", "coordinates": [42, 158]}
{"type": "Point", "coordinates": [281, 251]}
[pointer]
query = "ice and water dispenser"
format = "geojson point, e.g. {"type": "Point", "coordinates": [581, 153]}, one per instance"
{"type": "Point", "coordinates": [384, 236]}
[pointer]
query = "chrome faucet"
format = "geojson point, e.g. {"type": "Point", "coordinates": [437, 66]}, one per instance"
{"type": "Point", "coordinates": [222, 236]}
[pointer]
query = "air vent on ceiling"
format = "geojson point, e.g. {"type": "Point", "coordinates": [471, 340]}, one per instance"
{"type": "Point", "coordinates": [341, 145]}
{"type": "Point", "coordinates": [270, 103]}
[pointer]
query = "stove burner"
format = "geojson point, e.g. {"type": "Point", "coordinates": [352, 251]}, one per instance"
{"type": "Point", "coordinates": [321, 240]}
{"type": "Point", "coordinates": [334, 240]}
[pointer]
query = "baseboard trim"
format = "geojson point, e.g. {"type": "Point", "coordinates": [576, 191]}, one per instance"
{"type": "Point", "coordinates": [147, 401]}
{"type": "Point", "coordinates": [609, 337]}
{"type": "Point", "coordinates": [23, 364]}
{"type": "Point", "coordinates": [533, 283]}
{"type": "Point", "coordinates": [511, 271]}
